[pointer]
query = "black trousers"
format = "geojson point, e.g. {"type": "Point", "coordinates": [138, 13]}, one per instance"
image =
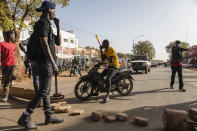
{"type": "Point", "coordinates": [73, 69]}
{"type": "Point", "coordinates": [45, 78]}
{"type": "Point", "coordinates": [179, 70]}
{"type": "Point", "coordinates": [110, 73]}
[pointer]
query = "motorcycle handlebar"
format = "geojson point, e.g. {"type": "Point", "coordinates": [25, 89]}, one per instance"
{"type": "Point", "coordinates": [99, 63]}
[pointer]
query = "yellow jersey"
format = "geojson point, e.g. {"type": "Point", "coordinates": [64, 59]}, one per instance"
{"type": "Point", "coordinates": [111, 52]}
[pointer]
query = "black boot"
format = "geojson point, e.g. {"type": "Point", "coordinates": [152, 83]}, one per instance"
{"type": "Point", "coordinates": [49, 118]}
{"type": "Point", "coordinates": [25, 120]}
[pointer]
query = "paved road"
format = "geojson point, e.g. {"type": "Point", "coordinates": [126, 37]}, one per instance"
{"type": "Point", "coordinates": [151, 95]}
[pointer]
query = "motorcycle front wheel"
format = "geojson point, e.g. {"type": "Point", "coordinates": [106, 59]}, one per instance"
{"type": "Point", "coordinates": [125, 86]}
{"type": "Point", "coordinates": [83, 90]}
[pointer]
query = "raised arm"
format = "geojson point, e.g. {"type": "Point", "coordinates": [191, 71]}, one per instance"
{"type": "Point", "coordinates": [183, 49]}
{"type": "Point", "coordinates": [58, 37]}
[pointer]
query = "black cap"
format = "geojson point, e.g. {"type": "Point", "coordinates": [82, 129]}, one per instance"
{"type": "Point", "coordinates": [178, 42]}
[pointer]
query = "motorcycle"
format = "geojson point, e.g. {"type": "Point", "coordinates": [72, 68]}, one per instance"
{"type": "Point", "coordinates": [65, 67]}
{"type": "Point", "coordinates": [75, 70]}
{"type": "Point", "coordinates": [93, 83]}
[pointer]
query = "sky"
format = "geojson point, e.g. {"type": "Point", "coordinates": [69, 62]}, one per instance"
{"type": "Point", "coordinates": [120, 21]}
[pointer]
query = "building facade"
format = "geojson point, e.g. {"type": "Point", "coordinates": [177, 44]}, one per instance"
{"type": "Point", "coordinates": [192, 55]}
{"type": "Point", "coordinates": [66, 50]}
{"type": "Point", "coordinates": [69, 45]}
{"type": "Point", "coordinates": [87, 52]}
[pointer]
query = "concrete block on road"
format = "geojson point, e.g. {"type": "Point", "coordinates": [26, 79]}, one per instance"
{"type": "Point", "coordinates": [98, 115]}
{"type": "Point", "coordinates": [62, 103]}
{"type": "Point", "coordinates": [141, 121]}
{"type": "Point", "coordinates": [77, 112]}
{"type": "Point", "coordinates": [122, 116]}
{"type": "Point", "coordinates": [175, 120]}
{"type": "Point", "coordinates": [193, 114]}
{"type": "Point", "coordinates": [110, 118]}
{"type": "Point", "coordinates": [62, 109]}
{"type": "Point", "coordinates": [193, 111]}
{"type": "Point", "coordinates": [55, 106]}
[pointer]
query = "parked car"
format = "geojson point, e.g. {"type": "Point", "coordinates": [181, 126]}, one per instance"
{"type": "Point", "coordinates": [187, 65]}
{"type": "Point", "coordinates": [154, 64]}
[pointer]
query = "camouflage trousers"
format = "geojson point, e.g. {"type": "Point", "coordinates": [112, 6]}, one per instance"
{"type": "Point", "coordinates": [8, 74]}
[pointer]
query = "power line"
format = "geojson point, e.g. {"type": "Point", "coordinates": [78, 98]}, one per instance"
{"type": "Point", "coordinates": [89, 32]}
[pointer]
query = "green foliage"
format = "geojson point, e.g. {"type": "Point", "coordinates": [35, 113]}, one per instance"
{"type": "Point", "coordinates": [122, 55]}
{"type": "Point", "coordinates": [183, 45]}
{"type": "Point", "coordinates": [144, 48]}
{"type": "Point", "coordinates": [89, 47]}
{"type": "Point", "coordinates": [14, 13]}
{"type": "Point", "coordinates": [5, 21]}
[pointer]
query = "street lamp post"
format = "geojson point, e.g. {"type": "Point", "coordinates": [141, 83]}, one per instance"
{"type": "Point", "coordinates": [134, 41]}
{"type": "Point", "coordinates": [187, 29]}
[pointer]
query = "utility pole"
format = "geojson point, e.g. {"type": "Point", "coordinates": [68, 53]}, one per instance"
{"type": "Point", "coordinates": [134, 42]}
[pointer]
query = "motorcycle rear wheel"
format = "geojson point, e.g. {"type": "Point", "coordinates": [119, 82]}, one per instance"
{"type": "Point", "coordinates": [83, 87]}
{"type": "Point", "coordinates": [126, 87]}
{"type": "Point", "coordinates": [76, 71]}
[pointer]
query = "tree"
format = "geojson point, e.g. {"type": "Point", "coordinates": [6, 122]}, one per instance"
{"type": "Point", "coordinates": [15, 13]}
{"type": "Point", "coordinates": [127, 55]}
{"type": "Point", "coordinates": [183, 45]}
{"type": "Point", "coordinates": [144, 48]}
{"type": "Point", "coordinates": [120, 55]}
{"type": "Point", "coordinates": [88, 47]}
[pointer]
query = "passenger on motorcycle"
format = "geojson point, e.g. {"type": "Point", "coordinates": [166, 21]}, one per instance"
{"type": "Point", "coordinates": [109, 54]}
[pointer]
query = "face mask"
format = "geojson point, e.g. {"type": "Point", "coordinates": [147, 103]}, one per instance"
{"type": "Point", "coordinates": [179, 45]}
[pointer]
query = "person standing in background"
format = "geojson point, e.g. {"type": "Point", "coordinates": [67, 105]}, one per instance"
{"type": "Point", "coordinates": [8, 63]}
{"type": "Point", "coordinates": [176, 65]}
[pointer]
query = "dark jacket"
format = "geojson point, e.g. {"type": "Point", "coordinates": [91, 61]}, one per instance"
{"type": "Point", "coordinates": [177, 54]}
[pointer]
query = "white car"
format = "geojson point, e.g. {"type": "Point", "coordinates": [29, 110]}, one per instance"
{"type": "Point", "coordinates": [141, 63]}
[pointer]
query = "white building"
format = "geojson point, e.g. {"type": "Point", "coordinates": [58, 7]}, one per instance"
{"type": "Point", "coordinates": [66, 50]}
{"type": "Point", "coordinates": [69, 45]}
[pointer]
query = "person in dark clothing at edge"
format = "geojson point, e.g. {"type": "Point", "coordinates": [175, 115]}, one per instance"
{"type": "Point", "coordinates": [34, 66]}
{"type": "Point", "coordinates": [27, 62]}
{"type": "Point", "coordinates": [45, 59]}
{"type": "Point", "coordinates": [176, 64]}
{"type": "Point", "coordinates": [110, 55]}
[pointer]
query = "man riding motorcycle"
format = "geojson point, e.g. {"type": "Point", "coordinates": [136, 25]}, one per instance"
{"type": "Point", "coordinates": [109, 54]}
{"type": "Point", "coordinates": [75, 64]}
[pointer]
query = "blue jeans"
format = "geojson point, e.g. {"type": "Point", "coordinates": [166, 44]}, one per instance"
{"type": "Point", "coordinates": [35, 73]}
{"type": "Point", "coordinates": [45, 78]}
{"type": "Point", "coordinates": [110, 72]}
